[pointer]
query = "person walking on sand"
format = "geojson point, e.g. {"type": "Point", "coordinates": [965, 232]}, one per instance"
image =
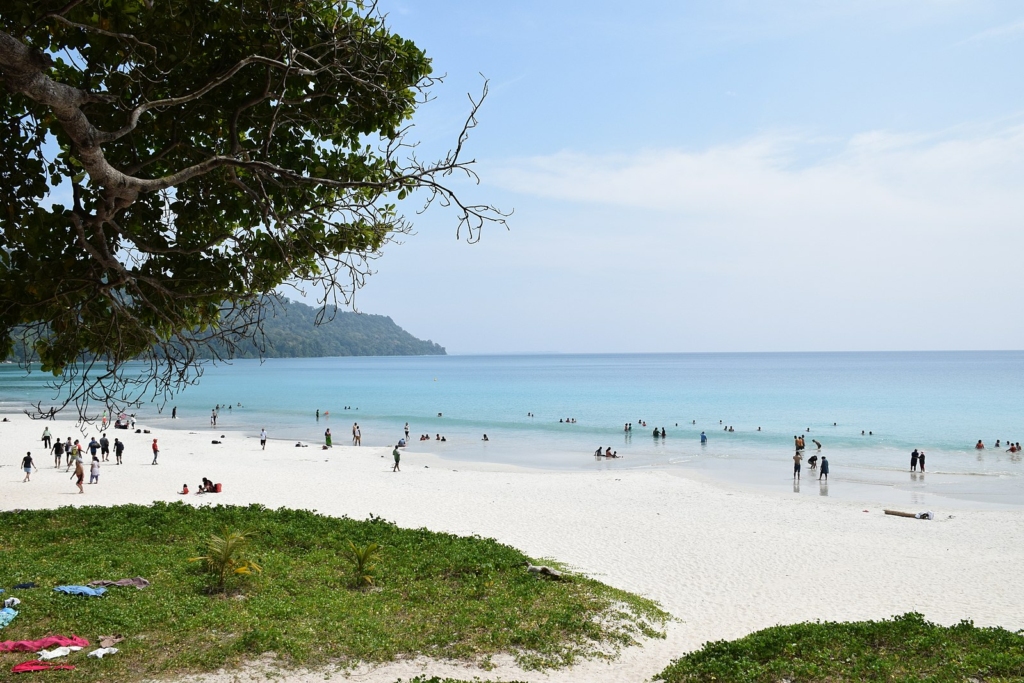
{"type": "Point", "coordinates": [327, 438]}
{"type": "Point", "coordinates": [58, 453]}
{"type": "Point", "coordinates": [398, 456]}
{"type": "Point", "coordinates": [46, 437]}
{"type": "Point", "coordinates": [28, 466]}
{"type": "Point", "coordinates": [94, 471]}
{"type": "Point", "coordinates": [796, 464]}
{"type": "Point", "coordinates": [79, 474]}
{"type": "Point", "coordinates": [263, 438]}
{"type": "Point", "coordinates": [156, 451]}
{"type": "Point", "coordinates": [105, 447]}
{"type": "Point", "coordinates": [824, 468]}
{"type": "Point", "coordinates": [118, 450]}
{"type": "Point", "coordinates": [74, 453]}
{"type": "Point", "coordinates": [67, 452]}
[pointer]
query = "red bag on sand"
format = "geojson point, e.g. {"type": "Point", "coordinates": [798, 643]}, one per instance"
{"type": "Point", "coordinates": [42, 644]}
{"type": "Point", "coordinates": [36, 665]}
{"type": "Point", "coordinates": [216, 488]}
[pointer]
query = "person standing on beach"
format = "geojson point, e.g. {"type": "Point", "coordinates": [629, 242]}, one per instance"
{"type": "Point", "coordinates": [913, 460]}
{"type": "Point", "coordinates": [174, 413]}
{"type": "Point", "coordinates": [67, 451]}
{"type": "Point", "coordinates": [398, 456]}
{"type": "Point", "coordinates": [317, 414]}
{"type": "Point", "coordinates": [118, 450]}
{"type": "Point", "coordinates": [28, 466]}
{"type": "Point", "coordinates": [156, 451]}
{"type": "Point", "coordinates": [73, 453]}
{"type": "Point", "coordinates": [406, 431]}
{"type": "Point", "coordinates": [358, 434]}
{"type": "Point", "coordinates": [46, 437]}
{"type": "Point", "coordinates": [327, 438]}
{"type": "Point", "coordinates": [105, 447]}
{"type": "Point", "coordinates": [79, 473]}
{"type": "Point", "coordinates": [94, 471]}
{"type": "Point", "coordinates": [796, 464]}
{"type": "Point", "coordinates": [703, 438]}
{"type": "Point", "coordinates": [58, 453]}
{"type": "Point", "coordinates": [920, 460]}
{"type": "Point", "coordinates": [263, 438]}
{"type": "Point", "coordinates": [824, 468]}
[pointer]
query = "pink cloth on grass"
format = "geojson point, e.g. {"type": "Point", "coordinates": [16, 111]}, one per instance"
{"type": "Point", "coordinates": [36, 665]}
{"type": "Point", "coordinates": [42, 643]}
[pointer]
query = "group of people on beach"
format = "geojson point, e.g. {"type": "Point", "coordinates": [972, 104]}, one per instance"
{"type": "Point", "coordinates": [73, 454]}
{"type": "Point", "coordinates": [813, 462]}
{"type": "Point", "coordinates": [916, 460]}
{"type": "Point", "coordinates": [608, 453]}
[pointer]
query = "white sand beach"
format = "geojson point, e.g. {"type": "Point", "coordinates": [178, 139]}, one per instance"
{"type": "Point", "coordinates": [725, 562]}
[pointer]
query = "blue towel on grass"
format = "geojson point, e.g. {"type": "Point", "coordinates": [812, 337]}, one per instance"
{"type": "Point", "coordinates": [7, 616]}
{"type": "Point", "coordinates": [81, 590]}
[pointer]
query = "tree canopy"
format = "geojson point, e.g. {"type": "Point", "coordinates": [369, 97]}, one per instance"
{"type": "Point", "coordinates": [168, 165]}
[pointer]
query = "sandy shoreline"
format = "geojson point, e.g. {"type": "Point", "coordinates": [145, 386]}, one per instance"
{"type": "Point", "coordinates": [724, 562]}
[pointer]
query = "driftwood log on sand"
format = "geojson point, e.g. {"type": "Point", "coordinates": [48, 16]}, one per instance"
{"type": "Point", "coordinates": [912, 515]}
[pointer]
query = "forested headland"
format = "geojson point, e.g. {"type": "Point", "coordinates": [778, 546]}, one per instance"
{"type": "Point", "coordinates": [290, 331]}
{"type": "Point", "coordinates": [293, 333]}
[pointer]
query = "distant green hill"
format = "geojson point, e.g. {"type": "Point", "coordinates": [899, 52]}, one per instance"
{"type": "Point", "coordinates": [293, 333]}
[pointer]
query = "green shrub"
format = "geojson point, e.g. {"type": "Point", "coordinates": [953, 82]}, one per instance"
{"type": "Point", "coordinates": [225, 556]}
{"type": "Point", "coordinates": [362, 563]}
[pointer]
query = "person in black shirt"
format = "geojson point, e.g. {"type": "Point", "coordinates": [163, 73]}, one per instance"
{"type": "Point", "coordinates": [28, 466]}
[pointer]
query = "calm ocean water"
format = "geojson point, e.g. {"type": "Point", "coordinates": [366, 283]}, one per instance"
{"type": "Point", "coordinates": [942, 402]}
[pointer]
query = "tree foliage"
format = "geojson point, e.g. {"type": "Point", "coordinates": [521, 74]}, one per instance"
{"type": "Point", "coordinates": [169, 165]}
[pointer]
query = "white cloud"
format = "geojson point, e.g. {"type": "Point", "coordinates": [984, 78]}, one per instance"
{"type": "Point", "coordinates": [995, 33]}
{"type": "Point", "coordinates": [876, 175]}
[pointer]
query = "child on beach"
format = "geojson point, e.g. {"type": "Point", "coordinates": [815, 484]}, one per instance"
{"type": "Point", "coordinates": [94, 471]}
{"type": "Point", "coordinates": [156, 451]}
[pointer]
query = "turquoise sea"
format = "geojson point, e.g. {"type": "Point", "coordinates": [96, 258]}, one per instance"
{"type": "Point", "coordinates": [941, 402]}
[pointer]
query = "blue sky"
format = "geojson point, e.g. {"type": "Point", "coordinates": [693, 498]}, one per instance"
{"type": "Point", "coordinates": [723, 176]}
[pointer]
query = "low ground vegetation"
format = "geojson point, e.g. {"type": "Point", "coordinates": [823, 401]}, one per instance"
{"type": "Point", "coordinates": [432, 594]}
{"type": "Point", "coordinates": [906, 648]}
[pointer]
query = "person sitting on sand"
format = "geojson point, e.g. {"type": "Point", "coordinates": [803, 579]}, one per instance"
{"type": "Point", "coordinates": [401, 443]}
{"type": "Point", "coordinates": [979, 446]}
{"type": "Point", "coordinates": [206, 487]}
{"type": "Point", "coordinates": [184, 490]}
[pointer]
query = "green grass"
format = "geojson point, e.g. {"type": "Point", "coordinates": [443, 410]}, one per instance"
{"type": "Point", "coordinates": [435, 594]}
{"type": "Point", "coordinates": [906, 648]}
